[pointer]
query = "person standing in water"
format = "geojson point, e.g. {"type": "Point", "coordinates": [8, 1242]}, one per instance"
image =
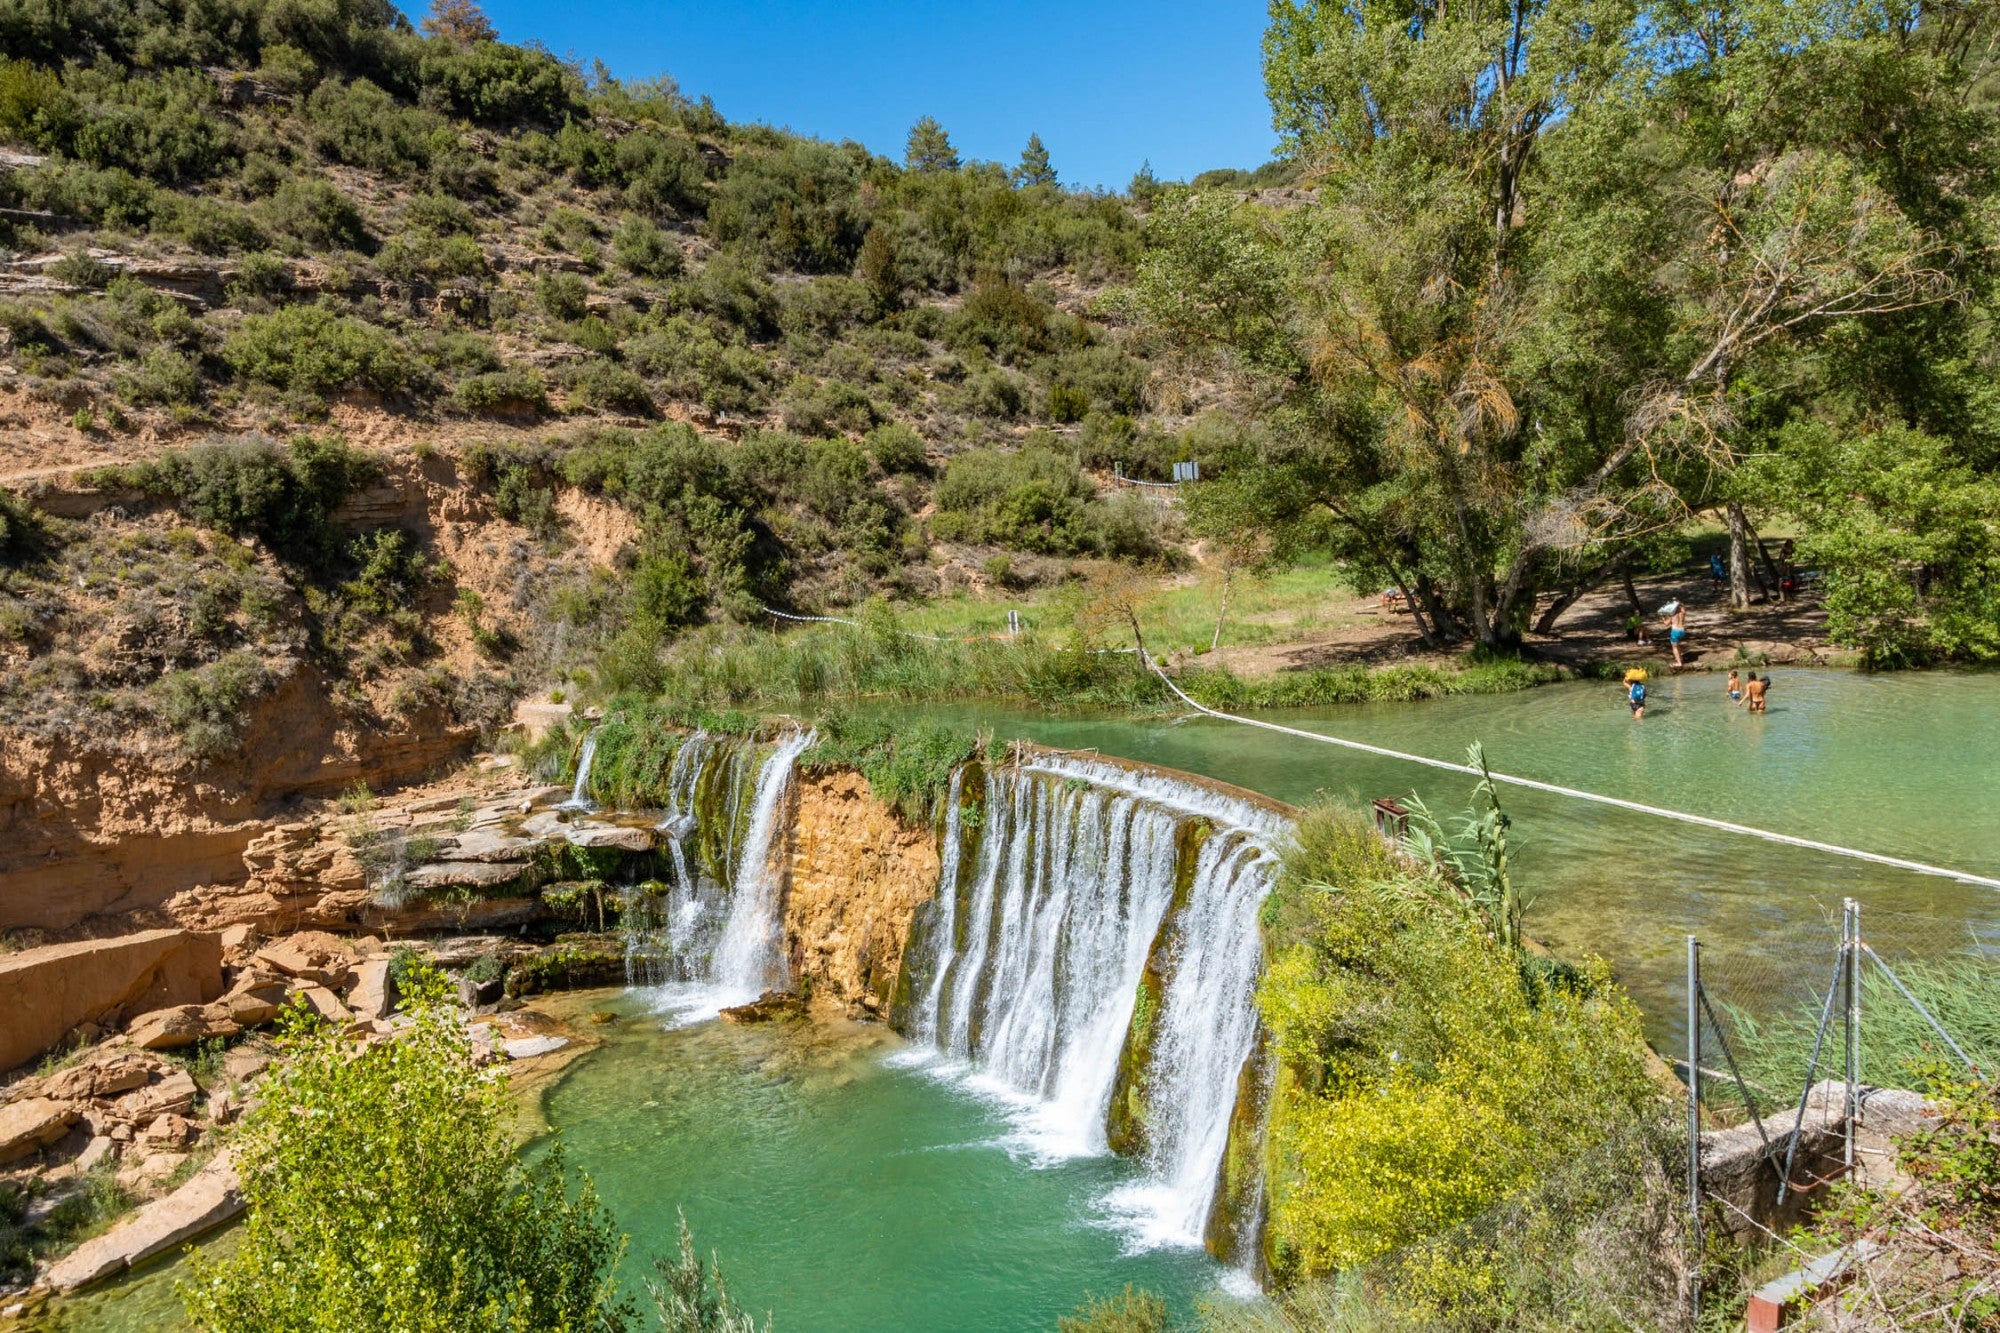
{"type": "Point", "coordinates": [1753, 692]}
{"type": "Point", "coordinates": [1735, 687]}
{"type": "Point", "coordinates": [1635, 692]}
{"type": "Point", "coordinates": [1676, 613]}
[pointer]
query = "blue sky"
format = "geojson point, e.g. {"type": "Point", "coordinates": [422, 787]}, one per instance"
{"type": "Point", "coordinates": [1108, 84]}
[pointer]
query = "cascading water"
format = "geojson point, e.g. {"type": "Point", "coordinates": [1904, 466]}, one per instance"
{"type": "Point", "coordinates": [749, 959]}
{"type": "Point", "coordinates": [579, 793]}
{"type": "Point", "coordinates": [1081, 897]}
{"type": "Point", "coordinates": [712, 937]}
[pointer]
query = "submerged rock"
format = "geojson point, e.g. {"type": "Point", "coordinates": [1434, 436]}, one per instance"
{"type": "Point", "coordinates": [772, 1006]}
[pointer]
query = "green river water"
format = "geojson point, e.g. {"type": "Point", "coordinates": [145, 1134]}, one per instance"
{"type": "Point", "coordinates": [845, 1189]}
{"type": "Point", "coordinates": [1905, 765]}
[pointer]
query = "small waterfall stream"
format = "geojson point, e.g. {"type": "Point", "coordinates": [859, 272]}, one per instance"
{"type": "Point", "coordinates": [579, 793]}
{"type": "Point", "coordinates": [749, 959]}
{"type": "Point", "coordinates": [1103, 948]}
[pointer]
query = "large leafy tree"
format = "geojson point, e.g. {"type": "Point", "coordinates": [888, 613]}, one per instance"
{"type": "Point", "coordinates": [1562, 255]}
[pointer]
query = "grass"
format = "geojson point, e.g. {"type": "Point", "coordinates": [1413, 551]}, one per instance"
{"type": "Point", "coordinates": [806, 670]}
{"type": "Point", "coordinates": [1284, 606]}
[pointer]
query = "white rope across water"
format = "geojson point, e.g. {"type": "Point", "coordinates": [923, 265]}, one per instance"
{"type": "Point", "coordinates": [1724, 825]}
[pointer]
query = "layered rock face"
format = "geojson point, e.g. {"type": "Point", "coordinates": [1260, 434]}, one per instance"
{"type": "Point", "coordinates": [857, 875]}
{"type": "Point", "coordinates": [45, 993]}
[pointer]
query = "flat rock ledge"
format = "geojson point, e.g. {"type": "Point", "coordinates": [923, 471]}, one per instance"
{"type": "Point", "coordinates": [212, 1196]}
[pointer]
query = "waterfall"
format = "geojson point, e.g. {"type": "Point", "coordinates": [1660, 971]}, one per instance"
{"type": "Point", "coordinates": [579, 795]}
{"type": "Point", "coordinates": [1094, 885]}
{"type": "Point", "coordinates": [749, 959]}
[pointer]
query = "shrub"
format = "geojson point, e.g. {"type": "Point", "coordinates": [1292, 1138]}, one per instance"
{"type": "Point", "coordinates": [1036, 500]}
{"type": "Point", "coordinates": [166, 377]}
{"type": "Point", "coordinates": [562, 295]}
{"type": "Point", "coordinates": [212, 226]}
{"type": "Point", "coordinates": [823, 407]}
{"type": "Point", "coordinates": [359, 124]}
{"type": "Point", "coordinates": [422, 255]}
{"type": "Point", "coordinates": [315, 213]}
{"type": "Point", "coordinates": [663, 173]}
{"type": "Point", "coordinates": [896, 447]}
{"type": "Point", "coordinates": [799, 207]}
{"type": "Point", "coordinates": [688, 361]}
{"type": "Point", "coordinates": [25, 89]}
{"type": "Point", "coordinates": [502, 391]}
{"type": "Point", "coordinates": [440, 1223]}
{"type": "Point", "coordinates": [163, 127]}
{"type": "Point", "coordinates": [641, 248]}
{"type": "Point", "coordinates": [80, 268]}
{"type": "Point", "coordinates": [21, 531]}
{"type": "Point", "coordinates": [259, 274]}
{"type": "Point", "coordinates": [204, 706]}
{"type": "Point", "coordinates": [251, 485]}
{"type": "Point", "coordinates": [440, 213]}
{"type": "Point", "coordinates": [610, 387]}
{"type": "Point", "coordinates": [311, 349]}
{"type": "Point", "coordinates": [497, 82]}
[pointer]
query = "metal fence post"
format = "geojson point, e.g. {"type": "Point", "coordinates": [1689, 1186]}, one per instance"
{"type": "Point", "coordinates": [1850, 930]}
{"type": "Point", "coordinates": [1694, 1128]}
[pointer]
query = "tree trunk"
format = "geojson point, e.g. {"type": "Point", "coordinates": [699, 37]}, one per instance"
{"type": "Point", "coordinates": [1777, 589]}
{"type": "Point", "coordinates": [1442, 627]}
{"type": "Point", "coordinates": [1739, 559]}
{"type": "Point", "coordinates": [1222, 607]}
{"type": "Point", "coordinates": [1631, 593]}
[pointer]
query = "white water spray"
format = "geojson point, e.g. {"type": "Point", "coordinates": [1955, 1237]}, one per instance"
{"type": "Point", "coordinates": [749, 958]}
{"type": "Point", "coordinates": [579, 794]}
{"type": "Point", "coordinates": [1074, 878]}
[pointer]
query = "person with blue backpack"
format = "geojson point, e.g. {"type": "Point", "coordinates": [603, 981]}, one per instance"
{"type": "Point", "coordinates": [1635, 691]}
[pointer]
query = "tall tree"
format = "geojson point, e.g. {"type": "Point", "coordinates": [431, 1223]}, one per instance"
{"type": "Point", "coordinates": [1035, 168]}
{"type": "Point", "coordinates": [461, 21]}
{"type": "Point", "coordinates": [929, 148]}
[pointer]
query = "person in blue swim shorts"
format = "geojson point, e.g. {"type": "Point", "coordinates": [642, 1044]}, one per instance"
{"type": "Point", "coordinates": [1676, 613]}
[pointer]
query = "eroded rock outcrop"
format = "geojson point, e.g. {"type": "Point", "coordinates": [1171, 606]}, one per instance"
{"type": "Point", "coordinates": [858, 874]}
{"type": "Point", "coordinates": [46, 993]}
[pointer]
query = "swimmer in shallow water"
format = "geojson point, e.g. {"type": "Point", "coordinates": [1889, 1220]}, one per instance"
{"type": "Point", "coordinates": [1735, 688]}
{"type": "Point", "coordinates": [1753, 692]}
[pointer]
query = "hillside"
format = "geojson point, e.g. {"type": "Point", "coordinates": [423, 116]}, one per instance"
{"type": "Point", "coordinates": [430, 366]}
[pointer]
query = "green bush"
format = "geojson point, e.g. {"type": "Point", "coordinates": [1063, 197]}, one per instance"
{"type": "Point", "coordinates": [499, 83]}
{"type": "Point", "coordinates": [643, 249]}
{"type": "Point", "coordinates": [824, 407]}
{"type": "Point", "coordinates": [610, 387]}
{"type": "Point", "coordinates": [285, 495]}
{"type": "Point", "coordinates": [259, 274]}
{"type": "Point", "coordinates": [312, 349]}
{"type": "Point", "coordinates": [359, 124]}
{"type": "Point", "coordinates": [441, 214]}
{"type": "Point", "coordinates": [688, 360]}
{"type": "Point", "coordinates": [664, 174]}
{"type": "Point", "coordinates": [440, 1224]}
{"type": "Point", "coordinates": [163, 127]}
{"type": "Point", "coordinates": [562, 296]}
{"type": "Point", "coordinates": [22, 533]}
{"type": "Point", "coordinates": [1035, 499]}
{"type": "Point", "coordinates": [212, 226]}
{"type": "Point", "coordinates": [166, 378]}
{"type": "Point", "coordinates": [315, 213]}
{"type": "Point", "coordinates": [113, 197]}
{"type": "Point", "coordinates": [204, 707]}
{"type": "Point", "coordinates": [420, 255]}
{"type": "Point", "coordinates": [799, 206]}
{"type": "Point", "coordinates": [896, 448]}
{"type": "Point", "coordinates": [25, 89]}
{"type": "Point", "coordinates": [502, 392]}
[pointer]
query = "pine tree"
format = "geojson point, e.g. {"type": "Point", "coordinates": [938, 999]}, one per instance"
{"type": "Point", "coordinates": [1035, 168]}
{"type": "Point", "coordinates": [929, 148]}
{"type": "Point", "coordinates": [461, 21]}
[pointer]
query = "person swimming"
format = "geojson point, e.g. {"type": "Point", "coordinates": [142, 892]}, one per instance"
{"type": "Point", "coordinates": [1735, 687]}
{"type": "Point", "coordinates": [1753, 692]}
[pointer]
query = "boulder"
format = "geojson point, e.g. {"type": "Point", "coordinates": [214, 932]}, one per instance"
{"type": "Point", "coordinates": [465, 875]}
{"type": "Point", "coordinates": [527, 1048]}
{"type": "Point", "coordinates": [211, 1197]}
{"type": "Point", "coordinates": [171, 1130]}
{"type": "Point", "coordinates": [311, 955]}
{"type": "Point", "coordinates": [245, 1063]}
{"type": "Point", "coordinates": [183, 1025]}
{"type": "Point", "coordinates": [33, 1122]}
{"type": "Point", "coordinates": [489, 844]}
{"type": "Point", "coordinates": [104, 1073]}
{"type": "Point", "coordinates": [771, 1006]}
{"type": "Point", "coordinates": [370, 999]}
{"type": "Point", "coordinates": [47, 992]}
{"type": "Point", "coordinates": [327, 1005]}
{"type": "Point", "coordinates": [170, 1090]}
{"type": "Point", "coordinates": [617, 837]}
{"type": "Point", "coordinates": [100, 1149]}
{"type": "Point", "coordinates": [253, 1006]}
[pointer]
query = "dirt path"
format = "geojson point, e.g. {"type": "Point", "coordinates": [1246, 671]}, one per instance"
{"type": "Point", "coordinates": [1591, 631]}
